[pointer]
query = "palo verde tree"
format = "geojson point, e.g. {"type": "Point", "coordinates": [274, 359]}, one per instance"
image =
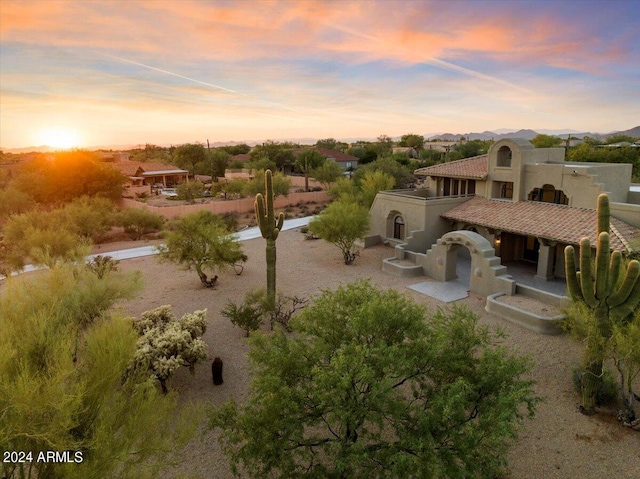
{"type": "Point", "coordinates": [609, 300]}
{"type": "Point", "coordinates": [201, 241]}
{"type": "Point", "coordinates": [63, 359]}
{"type": "Point", "coordinates": [366, 387]}
{"type": "Point", "coordinates": [269, 228]}
{"type": "Point", "coordinates": [342, 223]}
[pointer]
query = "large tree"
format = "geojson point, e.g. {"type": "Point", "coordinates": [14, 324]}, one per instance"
{"type": "Point", "coordinates": [372, 182]}
{"type": "Point", "coordinates": [342, 223]}
{"type": "Point", "coordinates": [190, 156]}
{"type": "Point", "coordinates": [412, 140]}
{"type": "Point", "coordinates": [201, 241]}
{"type": "Point", "coordinates": [327, 173]}
{"type": "Point", "coordinates": [371, 385]}
{"type": "Point", "coordinates": [281, 154]}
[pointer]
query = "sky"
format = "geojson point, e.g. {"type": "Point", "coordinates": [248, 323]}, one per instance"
{"type": "Point", "coordinates": [96, 73]}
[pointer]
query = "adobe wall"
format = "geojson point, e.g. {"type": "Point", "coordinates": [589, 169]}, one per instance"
{"type": "Point", "coordinates": [244, 205]}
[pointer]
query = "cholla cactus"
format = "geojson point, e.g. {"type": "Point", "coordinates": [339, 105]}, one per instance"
{"type": "Point", "coordinates": [607, 298]}
{"type": "Point", "coordinates": [270, 228]}
{"type": "Point", "coordinates": [167, 343]}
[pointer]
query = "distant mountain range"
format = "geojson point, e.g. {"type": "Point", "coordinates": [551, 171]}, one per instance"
{"type": "Point", "coordinates": [485, 135]}
{"type": "Point", "coordinates": [530, 134]}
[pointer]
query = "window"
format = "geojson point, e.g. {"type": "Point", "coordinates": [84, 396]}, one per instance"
{"type": "Point", "coordinates": [506, 190]}
{"type": "Point", "coordinates": [504, 157]}
{"type": "Point", "coordinates": [548, 194]}
{"type": "Point", "coordinates": [502, 189]}
{"type": "Point", "coordinates": [398, 227]}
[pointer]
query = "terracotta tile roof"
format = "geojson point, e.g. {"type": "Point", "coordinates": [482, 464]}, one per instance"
{"type": "Point", "coordinates": [561, 223]}
{"type": "Point", "coordinates": [129, 168]}
{"type": "Point", "coordinates": [476, 167]}
{"type": "Point", "coordinates": [336, 155]}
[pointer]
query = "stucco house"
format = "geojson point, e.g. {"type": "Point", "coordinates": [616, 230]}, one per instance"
{"type": "Point", "coordinates": [143, 175]}
{"type": "Point", "coordinates": [526, 202]}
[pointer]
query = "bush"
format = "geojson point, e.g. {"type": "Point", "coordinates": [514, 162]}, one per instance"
{"type": "Point", "coordinates": [138, 222]}
{"type": "Point", "coordinates": [166, 343]}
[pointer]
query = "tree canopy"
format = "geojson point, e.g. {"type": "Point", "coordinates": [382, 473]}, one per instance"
{"type": "Point", "coordinates": [366, 387]}
{"type": "Point", "coordinates": [63, 384]}
{"type": "Point", "coordinates": [546, 141]}
{"type": "Point", "coordinates": [412, 140]}
{"type": "Point", "coordinates": [342, 223]}
{"type": "Point", "coordinates": [201, 241]}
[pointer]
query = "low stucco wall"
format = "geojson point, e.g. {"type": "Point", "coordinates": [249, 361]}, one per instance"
{"type": "Point", "coordinates": [532, 321]}
{"type": "Point", "coordinates": [244, 205]}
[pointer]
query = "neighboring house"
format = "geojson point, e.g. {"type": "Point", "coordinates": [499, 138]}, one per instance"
{"type": "Point", "coordinates": [143, 175]}
{"type": "Point", "coordinates": [527, 202]}
{"type": "Point", "coordinates": [346, 162]}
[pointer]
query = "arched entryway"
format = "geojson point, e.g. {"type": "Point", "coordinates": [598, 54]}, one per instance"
{"type": "Point", "coordinates": [487, 275]}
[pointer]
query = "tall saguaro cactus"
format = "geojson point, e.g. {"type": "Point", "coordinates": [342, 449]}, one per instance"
{"type": "Point", "coordinates": [608, 299]}
{"type": "Point", "coordinates": [270, 228]}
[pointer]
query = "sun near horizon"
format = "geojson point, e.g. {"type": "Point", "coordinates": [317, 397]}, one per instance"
{"type": "Point", "coordinates": [59, 137]}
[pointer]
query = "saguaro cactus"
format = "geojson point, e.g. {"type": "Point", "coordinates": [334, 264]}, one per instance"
{"type": "Point", "coordinates": [270, 228]}
{"type": "Point", "coordinates": [607, 298]}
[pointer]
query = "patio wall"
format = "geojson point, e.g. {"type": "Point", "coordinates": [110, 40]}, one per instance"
{"type": "Point", "coordinates": [244, 205]}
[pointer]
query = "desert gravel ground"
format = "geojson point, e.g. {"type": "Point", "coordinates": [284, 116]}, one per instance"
{"type": "Point", "coordinates": [559, 443]}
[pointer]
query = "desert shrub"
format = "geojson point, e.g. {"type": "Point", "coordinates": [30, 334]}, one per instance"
{"type": "Point", "coordinates": [138, 222]}
{"type": "Point", "coordinates": [166, 343]}
{"type": "Point", "coordinates": [255, 310]}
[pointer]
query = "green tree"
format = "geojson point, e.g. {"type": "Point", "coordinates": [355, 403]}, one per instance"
{"type": "Point", "coordinates": [610, 297]}
{"type": "Point", "coordinates": [412, 140]}
{"type": "Point", "coordinates": [471, 148]}
{"type": "Point", "coordinates": [308, 160]}
{"type": "Point", "coordinates": [191, 156]}
{"type": "Point", "coordinates": [345, 188]}
{"type": "Point", "coordinates": [546, 141]}
{"type": "Point", "coordinates": [371, 385]}
{"type": "Point", "coordinates": [384, 144]}
{"type": "Point", "coordinates": [342, 223]}
{"type": "Point", "coordinates": [372, 182]}
{"type": "Point", "coordinates": [42, 238]}
{"type": "Point", "coordinates": [280, 183]}
{"type": "Point", "coordinates": [219, 159]}
{"type": "Point", "coordinates": [14, 202]}
{"type": "Point", "coordinates": [620, 139]}
{"type": "Point", "coordinates": [166, 343]}
{"type": "Point", "coordinates": [332, 144]}
{"type": "Point", "coordinates": [270, 228]}
{"type": "Point", "coordinates": [89, 217]}
{"type": "Point", "coordinates": [138, 222]}
{"type": "Point", "coordinates": [190, 190]}
{"type": "Point", "coordinates": [201, 241]}
{"type": "Point", "coordinates": [281, 154]}
{"type": "Point", "coordinates": [388, 165]}
{"type": "Point", "coordinates": [63, 358]}
{"type": "Point", "coordinates": [327, 173]}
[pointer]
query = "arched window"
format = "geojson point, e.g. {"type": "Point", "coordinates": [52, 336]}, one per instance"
{"type": "Point", "coordinates": [398, 227]}
{"type": "Point", "coordinates": [548, 194]}
{"type": "Point", "coordinates": [504, 157]}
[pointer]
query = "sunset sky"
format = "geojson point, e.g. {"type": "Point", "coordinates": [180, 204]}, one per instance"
{"type": "Point", "coordinates": [89, 73]}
